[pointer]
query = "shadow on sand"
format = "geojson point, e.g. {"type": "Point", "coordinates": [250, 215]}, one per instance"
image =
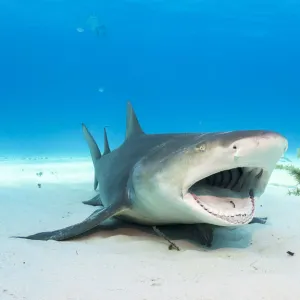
{"type": "Point", "coordinates": [223, 237]}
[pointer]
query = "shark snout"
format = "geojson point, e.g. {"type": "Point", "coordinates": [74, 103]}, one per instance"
{"type": "Point", "coordinates": [264, 147]}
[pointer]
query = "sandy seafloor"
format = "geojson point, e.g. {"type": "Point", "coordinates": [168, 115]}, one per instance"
{"type": "Point", "coordinates": [250, 262]}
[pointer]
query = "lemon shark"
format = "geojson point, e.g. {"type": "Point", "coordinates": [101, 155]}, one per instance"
{"type": "Point", "coordinates": [210, 178]}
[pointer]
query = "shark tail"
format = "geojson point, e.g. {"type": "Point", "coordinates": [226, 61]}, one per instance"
{"type": "Point", "coordinates": [94, 150]}
{"type": "Point", "coordinates": [133, 128]}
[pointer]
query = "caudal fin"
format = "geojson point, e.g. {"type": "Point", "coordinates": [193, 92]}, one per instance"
{"type": "Point", "coordinates": [94, 150]}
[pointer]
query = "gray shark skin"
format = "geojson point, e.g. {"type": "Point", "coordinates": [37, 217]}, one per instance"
{"type": "Point", "coordinates": [165, 179]}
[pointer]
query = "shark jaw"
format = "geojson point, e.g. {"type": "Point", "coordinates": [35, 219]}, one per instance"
{"type": "Point", "coordinates": [207, 178]}
{"type": "Point", "coordinates": [224, 188]}
{"type": "Point", "coordinates": [227, 198]}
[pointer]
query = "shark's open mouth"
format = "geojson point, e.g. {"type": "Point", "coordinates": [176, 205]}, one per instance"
{"type": "Point", "coordinates": [229, 194]}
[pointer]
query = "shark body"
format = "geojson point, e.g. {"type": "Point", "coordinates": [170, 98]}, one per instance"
{"type": "Point", "coordinates": [165, 179]}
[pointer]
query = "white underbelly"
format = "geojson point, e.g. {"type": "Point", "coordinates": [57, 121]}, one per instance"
{"type": "Point", "coordinates": [161, 213]}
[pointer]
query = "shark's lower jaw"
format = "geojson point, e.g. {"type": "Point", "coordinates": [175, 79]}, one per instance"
{"type": "Point", "coordinates": [227, 197]}
{"type": "Point", "coordinates": [228, 210]}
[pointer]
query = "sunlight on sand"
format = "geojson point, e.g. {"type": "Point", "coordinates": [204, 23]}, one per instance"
{"type": "Point", "coordinates": [249, 262]}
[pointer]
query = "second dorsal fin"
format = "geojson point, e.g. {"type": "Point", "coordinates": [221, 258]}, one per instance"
{"type": "Point", "coordinates": [133, 126]}
{"type": "Point", "coordinates": [106, 144]}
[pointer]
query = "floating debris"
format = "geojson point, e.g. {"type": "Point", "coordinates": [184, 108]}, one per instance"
{"type": "Point", "coordinates": [80, 29]}
{"type": "Point", "coordinates": [172, 246]}
{"type": "Point", "coordinates": [101, 90]}
{"type": "Point", "coordinates": [39, 185]}
{"type": "Point", "coordinates": [290, 253]}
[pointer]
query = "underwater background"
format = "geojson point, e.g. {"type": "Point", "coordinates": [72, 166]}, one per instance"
{"type": "Point", "coordinates": [186, 66]}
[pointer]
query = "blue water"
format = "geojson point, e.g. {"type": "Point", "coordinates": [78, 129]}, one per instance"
{"type": "Point", "coordinates": [185, 65]}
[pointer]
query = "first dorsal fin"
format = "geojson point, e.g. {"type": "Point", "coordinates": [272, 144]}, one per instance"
{"type": "Point", "coordinates": [106, 144]}
{"type": "Point", "coordinates": [94, 149]}
{"type": "Point", "coordinates": [133, 126]}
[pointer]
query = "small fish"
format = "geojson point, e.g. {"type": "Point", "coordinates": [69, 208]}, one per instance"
{"type": "Point", "coordinates": [101, 90]}
{"type": "Point", "coordinates": [284, 159]}
{"type": "Point", "coordinates": [94, 25]}
{"type": "Point", "coordinates": [79, 29]}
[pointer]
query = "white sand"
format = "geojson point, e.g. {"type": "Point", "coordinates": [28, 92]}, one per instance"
{"type": "Point", "coordinates": [248, 263]}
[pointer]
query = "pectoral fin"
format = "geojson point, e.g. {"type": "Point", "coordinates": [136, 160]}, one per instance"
{"type": "Point", "coordinates": [257, 220]}
{"type": "Point", "coordinates": [95, 201]}
{"type": "Point", "coordinates": [96, 218]}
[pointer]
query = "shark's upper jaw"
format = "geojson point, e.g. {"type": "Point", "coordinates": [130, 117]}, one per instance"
{"type": "Point", "coordinates": [227, 197]}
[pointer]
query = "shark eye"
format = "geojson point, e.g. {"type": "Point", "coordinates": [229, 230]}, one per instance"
{"type": "Point", "coordinates": [201, 147]}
